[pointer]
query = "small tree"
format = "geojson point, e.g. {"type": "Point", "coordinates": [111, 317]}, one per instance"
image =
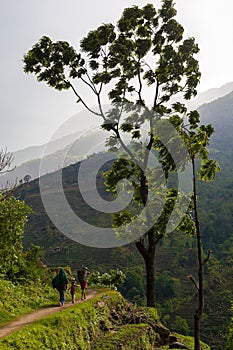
{"type": "Point", "coordinates": [112, 278]}
{"type": "Point", "coordinates": [6, 159]}
{"type": "Point", "coordinates": [197, 139]}
{"type": "Point", "coordinates": [27, 178]}
{"type": "Point", "coordinates": [13, 217]}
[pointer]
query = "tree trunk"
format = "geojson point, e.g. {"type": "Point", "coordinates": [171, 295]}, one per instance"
{"type": "Point", "coordinates": [148, 255]}
{"type": "Point", "coordinates": [197, 339]}
{"type": "Point", "coordinates": [150, 280]}
{"type": "Point", "coordinates": [148, 252]}
{"type": "Point", "coordinates": [200, 308]}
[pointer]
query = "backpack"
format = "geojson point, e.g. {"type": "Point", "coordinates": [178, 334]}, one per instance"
{"type": "Point", "coordinates": [56, 282]}
{"type": "Point", "coordinates": [81, 274]}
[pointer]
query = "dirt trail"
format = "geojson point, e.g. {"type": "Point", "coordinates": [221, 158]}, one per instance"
{"type": "Point", "coordinates": [29, 318]}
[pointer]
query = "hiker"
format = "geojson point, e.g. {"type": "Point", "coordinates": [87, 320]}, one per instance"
{"type": "Point", "coordinates": [60, 282]}
{"type": "Point", "coordinates": [73, 289]}
{"type": "Point", "coordinates": [83, 279]}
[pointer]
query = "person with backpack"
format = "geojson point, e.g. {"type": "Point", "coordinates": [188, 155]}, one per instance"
{"type": "Point", "coordinates": [60, 282]}
{"type": "Point", "coordinates": [83, 279]}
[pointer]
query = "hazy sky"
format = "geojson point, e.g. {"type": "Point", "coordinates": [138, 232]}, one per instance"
{"type": "Point", "coordinates": [30, 112]}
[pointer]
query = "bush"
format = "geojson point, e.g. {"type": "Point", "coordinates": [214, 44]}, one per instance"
{"type": "Point", "coordinates": [111, 279]}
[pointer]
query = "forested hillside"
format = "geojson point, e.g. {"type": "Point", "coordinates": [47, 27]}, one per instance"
{"type": "Point", "coordinates": [176, 254]}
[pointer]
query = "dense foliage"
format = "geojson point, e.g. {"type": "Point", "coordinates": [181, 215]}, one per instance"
{"type": "Point", "coordinates": [18, 298]}
{"type": "Point", "coordinates": [13, 217]}
{"type": "Point", "coordinates": [112, 278]}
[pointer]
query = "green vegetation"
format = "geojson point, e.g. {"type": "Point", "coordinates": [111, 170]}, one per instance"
{"type": "Point", "coordinates": [106, 322]}
{"type": "Point", "coordinates": [229, 344]}
{"type": "Point", "coordinates": [176, 296]}
{"type": "Point", "coordinates": [111, 278]}
{"type": "Point", "coordinates": [175, 257]}
{"type": "Point", "coordinates": [13, 218]}
{"type": "Point", "coordinates": [125, 63]}
{"type": "Point", "coordinates": [19, 299]}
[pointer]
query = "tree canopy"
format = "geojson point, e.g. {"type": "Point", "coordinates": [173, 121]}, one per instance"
{"type": "Point", "coordinates": [146, 47]}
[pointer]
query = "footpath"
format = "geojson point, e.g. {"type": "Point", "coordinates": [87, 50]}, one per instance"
{"type": "Point", "coordinates": [35, 315]}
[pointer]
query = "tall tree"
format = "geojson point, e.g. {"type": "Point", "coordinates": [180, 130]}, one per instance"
{"type": "Point", "coordinates": [139, 64]}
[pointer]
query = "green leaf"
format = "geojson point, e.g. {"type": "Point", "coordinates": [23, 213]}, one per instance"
{"type": "Point", "coordinates": [208, 170]}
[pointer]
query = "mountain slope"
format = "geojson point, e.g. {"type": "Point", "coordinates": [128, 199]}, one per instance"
{"type": "Point", "coordinates": [27, 161]}
{"type": "Point", "coordinates": [210, 95]}
{"type": "Point", "coordinates": [206, 96]}
{"type": "Point", "coordinates": [77, 147]}
{"type": "Point", "coordinates": [220, 114]}
{"type": "Point", "coordinates": [34, 152]}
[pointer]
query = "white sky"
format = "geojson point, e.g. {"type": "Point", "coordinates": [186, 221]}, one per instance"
{"type": "Point", "coordinates": [30, 112]}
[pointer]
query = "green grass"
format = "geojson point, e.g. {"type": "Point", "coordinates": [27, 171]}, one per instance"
{"type": "Point", "coordinates": [128, 337]}
{"type": "Point", "coordinates": [101, 323]}
{"type": "Point", "coordinates": [189, 342]}
{"type": "Point", "coordinates": [73, 328]}
{"type": "Point", "coordinates": [17, 300]}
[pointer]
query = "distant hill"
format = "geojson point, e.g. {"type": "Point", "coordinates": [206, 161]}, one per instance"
{"type": "Point", "coordinates": [219, 113]}
{"type": "Point", "coordinates": [34, 152]}
{"type": "Point", "coordinates": [210, 95]}
{"type": "Point", "coordinates": [27, 161]}
{"type": "Point", "coordinates": [206, 96]}
{"type": "Point", "coordinates": [58, 154]}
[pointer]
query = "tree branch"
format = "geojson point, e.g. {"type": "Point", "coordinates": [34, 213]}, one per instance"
{"type": "Point", "coordinates": [100, 104]}
{"type": "Point", "coordinates": [91, 84]}
{"type": "Point", "coordinates": [140, 86]}
{"type": "Point", "coordinates": [127, 149]}
{"type": "Point", "coordinates": [142, 249]}
{"type": "Point", "coordinates": [83, 102]}
{"type": "Point", "coordinates": [207, 258]}
{"type": "Point", "coordinates": [194, 282]}
{"type": "Point", "coordinates": [156, 96]}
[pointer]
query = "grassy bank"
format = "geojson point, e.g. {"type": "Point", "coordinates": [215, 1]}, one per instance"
{"type": "Point", "coordinates": [105, 322]}
{"type": "Point", "coordinates": [17, 300]}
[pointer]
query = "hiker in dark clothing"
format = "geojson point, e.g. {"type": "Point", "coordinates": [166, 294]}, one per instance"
{"type": "Point", "coordinates": [60, 282]}
{"type": "Point", "coordinates": [83, 279]}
